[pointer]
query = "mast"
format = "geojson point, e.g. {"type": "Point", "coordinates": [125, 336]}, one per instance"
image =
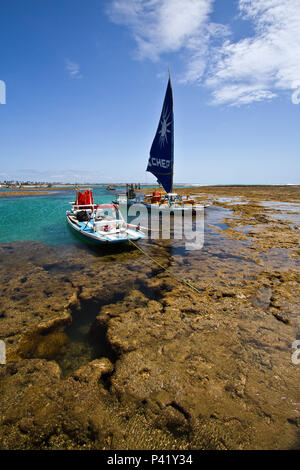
{"type": "Point", "coordinates": [173, 132]}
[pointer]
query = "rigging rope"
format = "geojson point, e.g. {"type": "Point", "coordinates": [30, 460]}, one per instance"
{"type": "Point", "coordinates": [182, 281]}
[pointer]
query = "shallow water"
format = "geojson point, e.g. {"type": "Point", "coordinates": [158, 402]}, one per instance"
{"type": "Point", "coordinates": [289, 212]}
{"type": "Point", "coordinates": [152, 328]}
{"type": "Point", "coordinates": [58, 260]}
{"type": "Point", "coordinates": [41, 218]}
{"type": "Point", "coordinates": [218, 251]}
{"type": "Point", "coordinates": [231, 200]}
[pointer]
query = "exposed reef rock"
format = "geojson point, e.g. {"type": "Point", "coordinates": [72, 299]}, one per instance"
{"type": "Point", "coordinates": [108, 351]}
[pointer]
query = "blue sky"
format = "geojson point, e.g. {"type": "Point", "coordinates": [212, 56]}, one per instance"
{"type": "Point", "coordinates": [85, 82]}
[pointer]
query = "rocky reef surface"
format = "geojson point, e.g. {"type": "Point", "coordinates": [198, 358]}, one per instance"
{"type": "Point", "coordinates": [106, 350]}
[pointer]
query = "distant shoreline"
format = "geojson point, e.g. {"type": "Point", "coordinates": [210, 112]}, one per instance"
{"type": "Point", "coordinates": [288, 193]}
{"type": "Point", "coordinates": [31, 192]}
{"type": "Point", "coordinates": [284, 193]}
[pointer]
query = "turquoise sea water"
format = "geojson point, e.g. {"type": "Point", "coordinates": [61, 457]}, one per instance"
{"type": "Point", "coordinates": [41, 218]}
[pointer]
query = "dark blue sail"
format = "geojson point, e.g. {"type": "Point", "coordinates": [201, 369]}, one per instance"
{"type": "Point", "coordinates": [162, 150]}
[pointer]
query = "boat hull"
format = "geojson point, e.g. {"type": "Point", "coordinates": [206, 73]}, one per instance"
{"type": "Point", "coordinates": [165, 207]}
{"type": "Point", "coordinates": [86, 234]}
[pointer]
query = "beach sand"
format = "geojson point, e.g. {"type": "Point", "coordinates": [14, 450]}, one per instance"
{"type": "Point", "coordinates": [105, 350]}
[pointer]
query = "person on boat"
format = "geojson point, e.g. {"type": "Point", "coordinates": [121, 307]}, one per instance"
{"type": "Point", "coordinates": [131, 192]}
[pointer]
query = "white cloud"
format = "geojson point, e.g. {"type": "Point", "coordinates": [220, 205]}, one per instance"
{"type": "Point", "coordinates": [254, 68]}
{"type": "Point", "coordinates": [241, 94]}
{"type": "Point", "coordinates": [258, 67]}
{"type": "Point", "coordinates": [73, 69]}
{"type": "Point", "coordinates": [161, 26]}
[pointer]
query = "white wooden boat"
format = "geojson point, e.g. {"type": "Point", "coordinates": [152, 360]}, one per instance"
{"type": "Point", "coordinates": [100, 224]}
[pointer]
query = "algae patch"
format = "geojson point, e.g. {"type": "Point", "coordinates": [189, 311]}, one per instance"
{"type": "Point", "coordinates": [36, 345]}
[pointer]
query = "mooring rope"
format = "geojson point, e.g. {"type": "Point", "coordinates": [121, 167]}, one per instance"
{"type": "Point", "coordinates": [179, 279]}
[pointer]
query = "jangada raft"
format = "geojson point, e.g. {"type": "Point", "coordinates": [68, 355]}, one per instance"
{"type": "Point", "coordinates": [161, 165]}
{"type": "Point", "coordinates": [100, 223]}
{"type": "Point", "coordinates": [172, 202]}
{"type": "Point", "coordinates": [157, 201]}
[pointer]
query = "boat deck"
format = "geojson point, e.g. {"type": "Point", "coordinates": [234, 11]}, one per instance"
{"type": "Point", "coordinates": [114, 235]}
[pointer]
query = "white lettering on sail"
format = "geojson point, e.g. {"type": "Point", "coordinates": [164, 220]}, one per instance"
{"type": "Point", "coordinates": [161, 162]}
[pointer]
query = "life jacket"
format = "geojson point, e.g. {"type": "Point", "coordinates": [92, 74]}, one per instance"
{"type": "Point", "coordinates": [84, 199]}
{"type": "Point", "coordinates": [156, 197]}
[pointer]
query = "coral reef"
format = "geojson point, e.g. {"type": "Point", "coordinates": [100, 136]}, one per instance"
{"type": "Point", "coordinates": [108, 351]}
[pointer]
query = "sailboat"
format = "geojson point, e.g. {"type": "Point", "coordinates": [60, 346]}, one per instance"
{"type": "Point", "coordinates": [161, 165]}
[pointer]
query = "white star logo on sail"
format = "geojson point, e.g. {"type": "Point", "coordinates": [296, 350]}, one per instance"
{"type": "Point", "coordinates": [164, 131]}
